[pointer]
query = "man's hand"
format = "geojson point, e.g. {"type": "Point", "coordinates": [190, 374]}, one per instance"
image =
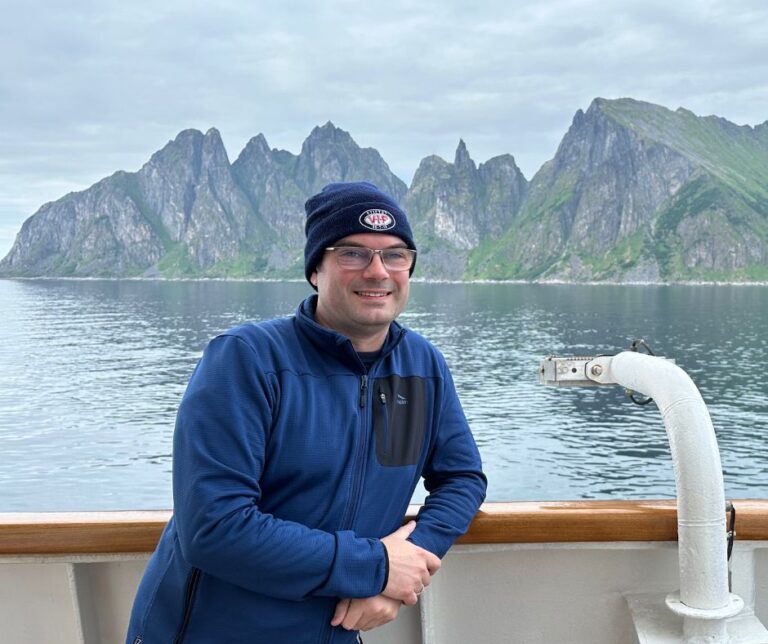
{"type": "Point", "coordinates": [410, 567]}
{"type": "Point", "coordinates": [365, 614]}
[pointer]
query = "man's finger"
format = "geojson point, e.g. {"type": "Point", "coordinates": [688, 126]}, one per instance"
{"type": "Point", "coordinates": [410, 599]}
{"type": "Point", "coordinates": [365, 614]}
{"type": "Point", "coordinates": [433, 563]}
{"type": "Point", "coordinates": [341, 612]}
{"type": "Point", "coordinates": [353, 616]}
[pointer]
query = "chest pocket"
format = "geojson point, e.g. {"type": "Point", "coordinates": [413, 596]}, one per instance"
{"type": "Point", "coordinates": [399, 419]}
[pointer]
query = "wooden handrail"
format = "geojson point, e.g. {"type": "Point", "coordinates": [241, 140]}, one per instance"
{"type": "Point", "coordinates": [59, 533]}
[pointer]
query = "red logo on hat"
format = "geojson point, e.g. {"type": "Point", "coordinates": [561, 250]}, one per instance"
{"type": "Point", "coordinates": [377, 219]}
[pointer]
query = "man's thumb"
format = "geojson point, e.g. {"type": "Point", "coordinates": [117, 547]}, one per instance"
{"type": "Point", "coordinates": [405, 531]}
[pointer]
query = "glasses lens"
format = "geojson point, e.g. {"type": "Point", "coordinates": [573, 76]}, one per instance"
{"type": "Point", "coordinates": [397, 259]}
{"type": "Point", "coordinates": [353, 257]}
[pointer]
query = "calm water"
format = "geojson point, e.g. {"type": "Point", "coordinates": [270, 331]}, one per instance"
{"type": "Point", "coordinates": [92, 372]}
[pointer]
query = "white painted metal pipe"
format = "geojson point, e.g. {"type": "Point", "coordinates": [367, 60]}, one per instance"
{"type": "Point", "coordinates": [704, 595]}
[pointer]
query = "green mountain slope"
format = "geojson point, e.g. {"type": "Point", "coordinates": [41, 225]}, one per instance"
{"type": "Point", "coordinates": [639, 192]}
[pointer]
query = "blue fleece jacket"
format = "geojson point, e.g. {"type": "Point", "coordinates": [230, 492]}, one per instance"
{"type": "Point", "coordinates": [290, 462]}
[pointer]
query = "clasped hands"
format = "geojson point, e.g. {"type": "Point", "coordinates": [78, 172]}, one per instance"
{"type": "Point", "coordinates": [410, 572]}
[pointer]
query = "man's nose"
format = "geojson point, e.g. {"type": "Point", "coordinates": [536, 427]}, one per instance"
{"type": "Point", "coordinates": [376, 269]}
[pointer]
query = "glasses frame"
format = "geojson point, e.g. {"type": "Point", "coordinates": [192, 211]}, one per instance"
{"type": "Point", "coordinates": [374, 251]}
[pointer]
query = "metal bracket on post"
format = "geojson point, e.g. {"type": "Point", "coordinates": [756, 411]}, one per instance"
{"type": "Point", "coordinates": [579, 371]}
{"type": "Point", "coordinates": [576, 371]}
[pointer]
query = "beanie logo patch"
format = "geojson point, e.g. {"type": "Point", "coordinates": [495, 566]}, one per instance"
{"type": "Point", "coordinates": [377, 219]}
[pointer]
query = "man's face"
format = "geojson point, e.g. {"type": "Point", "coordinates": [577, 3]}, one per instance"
{"type": "Point", "coordinates": [361, 304]}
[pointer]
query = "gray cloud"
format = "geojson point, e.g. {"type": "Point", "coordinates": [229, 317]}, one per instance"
{"type": "Point", "coordinates": [93, 87]}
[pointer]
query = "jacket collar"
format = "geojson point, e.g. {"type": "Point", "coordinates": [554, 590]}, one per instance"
{"type": "Point", "coordinates": [335, 343]}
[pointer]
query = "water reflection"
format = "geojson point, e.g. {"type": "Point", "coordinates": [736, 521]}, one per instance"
{"type": "Point", "coordinates": [92, 373]}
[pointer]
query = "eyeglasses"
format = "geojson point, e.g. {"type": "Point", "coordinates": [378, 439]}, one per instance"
{"type": "Point", "coordinates": [356, 258]}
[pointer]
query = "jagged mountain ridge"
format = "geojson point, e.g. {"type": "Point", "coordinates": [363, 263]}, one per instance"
{"type": "Point", "coordinates": [634, 192]}
{"type": "Point", "coordinates": [189, 212]}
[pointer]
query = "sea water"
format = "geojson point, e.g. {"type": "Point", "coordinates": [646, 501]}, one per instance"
{"type": "Point", "coordinates": [92, 371]}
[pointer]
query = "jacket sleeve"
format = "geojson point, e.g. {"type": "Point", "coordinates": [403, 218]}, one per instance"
{"type": "Point", "coordinates": [453, 478]}
{"type": "Point", "coordinates": [218, 457]}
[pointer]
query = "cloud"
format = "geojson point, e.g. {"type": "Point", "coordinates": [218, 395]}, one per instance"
{"type": "Point", "coordinates": [93, 87]}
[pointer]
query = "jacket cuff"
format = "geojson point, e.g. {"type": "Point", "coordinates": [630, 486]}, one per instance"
{"type": "Point", "coordinates": [359, 567]}
{"type": "Point", "coordinates": [386, 568]}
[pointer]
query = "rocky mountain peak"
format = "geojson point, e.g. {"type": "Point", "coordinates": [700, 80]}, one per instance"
{"type": "Point", "coordinates": [331, 154]}
{"type": "Point", "coordinates": [256, 148]}
{"type": "Point", "coordinates": [213, 150]}
{"type": "Point", "coordinates": [462, 160]}
{"type": "Point", "coordinates": [188, 135]}
{"type": "Point", "coordinates": [214, 154]}
{"type": "Point", "coordinates": [431, 164]}
{"type": "Point", "coordinates": [182, 150]}
{"type": "Point", "coordinates": [327, 134]}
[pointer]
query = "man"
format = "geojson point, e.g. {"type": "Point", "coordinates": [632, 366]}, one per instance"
{"type": "Point", "coordinates": [297, 448]}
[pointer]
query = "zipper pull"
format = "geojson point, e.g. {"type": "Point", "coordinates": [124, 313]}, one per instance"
{"type": "Point", "coordinates": [383, 397]}
{"type": "Point", "coordinates": [363, 389]}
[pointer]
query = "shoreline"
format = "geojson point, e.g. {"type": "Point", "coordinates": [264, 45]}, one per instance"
{"type": "Point", "coordinates": [417, 280]}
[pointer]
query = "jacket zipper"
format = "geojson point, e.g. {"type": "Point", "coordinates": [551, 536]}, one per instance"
{"type": "Point", "coordinates": [363, 390]}
{"type": "Point", "coordinates": [189, 598]}
{"type": "Point", "coordinates": [362, 451]}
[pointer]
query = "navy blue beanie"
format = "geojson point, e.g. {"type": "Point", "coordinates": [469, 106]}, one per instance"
{"type": "Point", "coordinates": [342, 209]}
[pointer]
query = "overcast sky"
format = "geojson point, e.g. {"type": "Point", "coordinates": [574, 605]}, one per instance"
{"type": "Point", "coordinates": [89, 87]}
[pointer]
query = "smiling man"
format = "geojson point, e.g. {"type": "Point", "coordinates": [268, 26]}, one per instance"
{"type": "Point", "coordinates": [361, 290]}
{"type": "Point", "coordinates": [298, 445]}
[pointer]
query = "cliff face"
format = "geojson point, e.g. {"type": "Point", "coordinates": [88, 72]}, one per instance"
{"type": "Point", "coordinates": [201, 212]}
{"type": "Point", "coordinates": [637, 192]}
{"type": "Point", "coordinates": [634, 192]}
{"type": "Point", "coordinates": [180, 213]}
{"type": "Point", "coordinates": [457, 207]}
{"type": "Point", "coordinates": [101, 231]}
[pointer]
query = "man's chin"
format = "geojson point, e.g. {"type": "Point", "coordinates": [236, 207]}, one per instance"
{"type": "Point", "coordinates": [380, 317]}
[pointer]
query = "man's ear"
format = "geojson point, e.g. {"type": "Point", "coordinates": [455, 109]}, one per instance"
{"type": "Point", "coordinates": [313, 278]}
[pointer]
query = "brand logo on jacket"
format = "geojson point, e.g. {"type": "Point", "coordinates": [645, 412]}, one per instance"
{"type": "Point", "coordinates": [377, 219]}
{"type": "Point", "coordinates": [401, 400]}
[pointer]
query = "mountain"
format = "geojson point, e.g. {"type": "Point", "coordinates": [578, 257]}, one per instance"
{"type": "Point", "coordinates": [635, 192]}
{"type": "Point", "coordinates": [457, 207]}
{"type": "Point", "coordinates": [189, 212]}
{"type": "Point", "coordinates": [277, 183]}
{"type": "Point", "coordinates": [639, 192]}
